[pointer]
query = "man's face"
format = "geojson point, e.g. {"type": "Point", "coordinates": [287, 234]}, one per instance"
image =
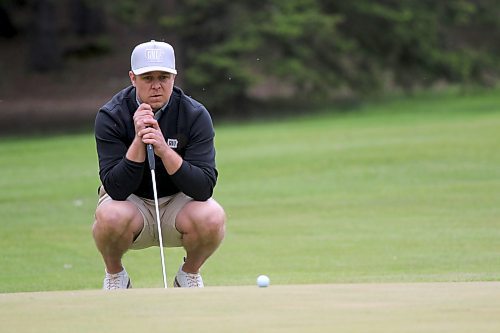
{"type": "Point", "coordinates": [153, 88]}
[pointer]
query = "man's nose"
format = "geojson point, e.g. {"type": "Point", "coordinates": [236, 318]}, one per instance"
{"type": "Point", "coordinates": [156, 84]}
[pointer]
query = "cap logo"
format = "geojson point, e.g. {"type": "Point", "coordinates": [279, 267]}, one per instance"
{"type": "Point", "coordinates": [155, 55]}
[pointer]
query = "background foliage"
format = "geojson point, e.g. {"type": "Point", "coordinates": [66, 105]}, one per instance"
{"type": "Point", "coordinates": [234, 52]}
{"type": "Point", "coordinates": [319, 48]}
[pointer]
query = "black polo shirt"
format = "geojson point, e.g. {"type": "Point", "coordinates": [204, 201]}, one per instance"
{"type": "Point", "coordinates": [187, 128]}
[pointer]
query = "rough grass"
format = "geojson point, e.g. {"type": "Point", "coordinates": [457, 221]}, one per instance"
{"type": "Point", "coordinates": [400, 190]}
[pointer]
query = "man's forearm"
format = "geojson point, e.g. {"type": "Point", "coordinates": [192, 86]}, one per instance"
{"type": "Point", "coordinates": [171, 160]}
{"type": "Point", "coordinates": [194, 181]}
{"type": "Point", "coordinates": [137, 151]}
{"type": "Point", "coordinates": [123, 179]}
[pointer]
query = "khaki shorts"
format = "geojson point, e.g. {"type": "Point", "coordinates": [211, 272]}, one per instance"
{"type": "Point", "coordinates": [169, 207]}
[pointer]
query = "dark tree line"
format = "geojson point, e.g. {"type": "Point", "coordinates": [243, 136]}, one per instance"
{"type": "Point", "coordinates": [234, 51]}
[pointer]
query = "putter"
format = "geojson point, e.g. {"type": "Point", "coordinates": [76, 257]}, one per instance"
{"type": "Point", "coordinates": [151, 160]}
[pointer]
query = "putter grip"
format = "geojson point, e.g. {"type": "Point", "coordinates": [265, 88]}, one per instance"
{"type": "Point", "coordinates": [149, 147]}
{"type": "Point", "coordinates": [151, 156]}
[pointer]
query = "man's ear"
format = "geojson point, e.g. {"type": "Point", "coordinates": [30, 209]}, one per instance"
{"type": "Point", "coordinates": [132, 77]}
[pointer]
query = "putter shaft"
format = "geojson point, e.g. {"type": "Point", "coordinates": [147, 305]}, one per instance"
{"type": "Point", "coordinates": [158, 222]}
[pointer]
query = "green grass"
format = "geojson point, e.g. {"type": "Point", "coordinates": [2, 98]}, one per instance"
{"type": "Point", "coordinates": [375, 308]}
{"type": "Point", "coordinates": [392, 191]}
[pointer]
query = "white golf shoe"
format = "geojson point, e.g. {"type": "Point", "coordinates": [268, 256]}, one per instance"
{"type": "Point", "coordinates": [119, 280]}
{"type": "Point", "coordinates": [187, 280]}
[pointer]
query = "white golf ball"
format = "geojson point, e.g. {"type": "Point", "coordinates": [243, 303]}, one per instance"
{"type": "Point", "coordinates": [263, 281]}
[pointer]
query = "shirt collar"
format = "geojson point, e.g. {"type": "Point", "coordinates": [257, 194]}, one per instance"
{"type": "Point", "coordinates": [160, 110]}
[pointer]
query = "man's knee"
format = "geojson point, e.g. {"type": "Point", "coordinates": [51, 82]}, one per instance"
{"type": "Point", "coordinates": [112, 218]}
{"type": "Point", "coordinates": [215, 219]}
{"type": "Point", "coordinates": [206, 218]}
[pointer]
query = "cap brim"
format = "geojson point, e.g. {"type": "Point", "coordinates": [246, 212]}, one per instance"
{"type": "Point", "coordinates": [153, 69]}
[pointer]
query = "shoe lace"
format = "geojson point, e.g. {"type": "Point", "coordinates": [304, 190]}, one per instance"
{"type": "Point", "coordinates": [193, 280]}
{"type": "Point", "coordinates": [113, 281]}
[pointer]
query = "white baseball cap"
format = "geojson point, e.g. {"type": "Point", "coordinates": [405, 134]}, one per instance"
{"type": "Point", "coordinates": [153, 56]}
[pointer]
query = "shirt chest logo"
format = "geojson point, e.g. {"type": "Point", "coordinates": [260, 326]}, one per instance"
{"type": "Point", "coordinates": [172, 143]}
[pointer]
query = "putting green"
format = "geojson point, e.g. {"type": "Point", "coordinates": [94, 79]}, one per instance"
{"type": "Point", "coordinates": [416, 307]}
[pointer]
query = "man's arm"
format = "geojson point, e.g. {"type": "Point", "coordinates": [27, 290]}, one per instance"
{"type": "Point", "coordinates": [195, 174]}
{"type": "Point", "coordinates": [120, 167]}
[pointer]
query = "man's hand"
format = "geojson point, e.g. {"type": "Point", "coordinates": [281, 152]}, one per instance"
{"type": "Point", "coordinates": [151, 134]}
{"type": "Point", "coordinates": [148, 132]}
{"type": "Point", "coordinates": [143, 117]}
